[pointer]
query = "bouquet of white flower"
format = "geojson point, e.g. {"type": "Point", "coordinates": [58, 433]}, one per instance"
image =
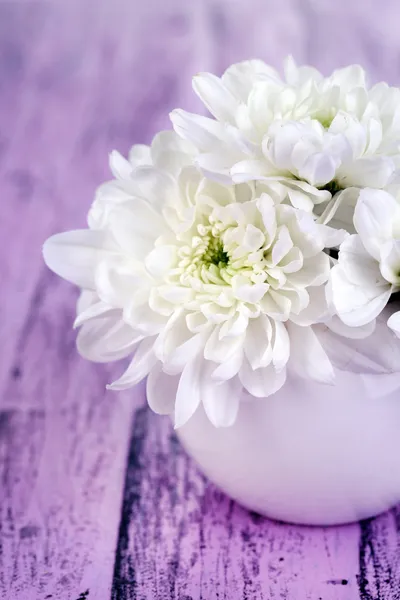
{"type": "Point", "coordinates": [222, 256]}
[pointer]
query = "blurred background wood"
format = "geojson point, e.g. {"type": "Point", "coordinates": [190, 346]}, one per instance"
{"type": "Point", "coordinates": [96, 497]}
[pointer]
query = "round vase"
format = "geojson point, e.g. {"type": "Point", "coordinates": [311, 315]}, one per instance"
{"type": "Point", "coordinates": [311, 453]}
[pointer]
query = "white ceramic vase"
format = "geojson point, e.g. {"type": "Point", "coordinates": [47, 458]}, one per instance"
{"type": "Point", "coordinates": [312, 453]}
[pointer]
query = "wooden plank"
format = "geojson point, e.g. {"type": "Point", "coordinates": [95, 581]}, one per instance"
{"type": "Point", "coordinates": [379, 575]}
{"type": "Point", "coordinates": [63, 445]}
{"type": "Point", "coordinates": [180, 538]}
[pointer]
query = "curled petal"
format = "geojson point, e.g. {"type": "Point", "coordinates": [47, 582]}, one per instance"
{"type": "Point", "coordinates": [221, 401]}
{"type": "Point", "coordinates": [394, 323]}
{"type": "Point", "coordinates": [161, 390]}
{"type": "Point", "coordinates": [75, 255]}
{"type": "Point", "coordinates": [142, 363]}
{"type": "Point", "coordinates": [308, 358]}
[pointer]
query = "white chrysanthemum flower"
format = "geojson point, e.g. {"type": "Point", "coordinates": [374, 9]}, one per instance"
{"type": "Point", "coordinates": [214, 287]}
{"type": "Point", "coordinates": [317, 135]}
{"type": "Point", "coordinates": [368, 271]}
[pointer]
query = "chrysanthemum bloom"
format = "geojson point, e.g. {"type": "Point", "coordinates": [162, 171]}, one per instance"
{"type": "Point", "coordinates": [325, 137]}
{"type": "Point", "coordinates": [368, 271]}
{"type": "Point", "coordinates": [213, 287]}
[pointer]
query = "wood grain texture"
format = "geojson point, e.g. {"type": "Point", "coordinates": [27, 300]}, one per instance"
{"type": "Point", "coordinates": [77, 79]}
{"type": "Point", "coordinates": [180, 538]}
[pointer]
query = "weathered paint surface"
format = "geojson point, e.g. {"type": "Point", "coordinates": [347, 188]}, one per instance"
{"type": "Point", "coordinates": [97, 499]}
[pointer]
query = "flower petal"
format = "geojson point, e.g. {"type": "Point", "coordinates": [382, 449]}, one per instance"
{"type": "Point", "coordinates": [142, 363]}
{"type": "Point", "coordinates": [373, 218]}
{"type": "Point", "coordinates": [221, 401]}
{"type": "Point", "coordinates": [217, 98]}
{"type": "Point", "coordinates": [106, 338]}
{"type": "Point", "coordinates": [74, 255]}
{"type": "Point", "coordinates": [120, 167]}
{"type": "Point", "coordinates": [357, 305]}
{"type": "Point", "coordinates": [140, 155]}
{"type": "Point", "coordinates": [135, 225]}
{"type": "Point", "coordinates": [390, 261]}
{"type": "Point", "coordinates": [229, 368]}
{"type": "Point", "coordinates": [308, 359]}
{"type": "Point", "coordinates": [161, 390]}
{"type": "Point", "coordinates": [394, 323]}
{"type": "Point", "coordinates": [188, 396]}
{"type": "Point", "coordinates": [203, 132]}
{"type": "Point", "coordinates": [93, 311]}
{"type": "Point", "coordinates": [261, 382]}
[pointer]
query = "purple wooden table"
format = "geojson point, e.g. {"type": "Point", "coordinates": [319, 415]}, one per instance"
{"type": "Point", "coordinates": [97, 499]}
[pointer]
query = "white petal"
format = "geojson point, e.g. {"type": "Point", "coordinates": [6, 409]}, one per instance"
{"type": "Point", "coordinates": [215, 165]}
{"type": "Point", "coordinates": [229, 368]}
{"type": "Point", "coordinates": [217, 98]}
{"type": "Point", "coordinates": [85, 300]}
{"type": "Point", "coordinates": [371, 172]}
{"type": "Point", "coordinates": [266, 206]}
{"type": "Point", "coordinates": [108, 195]}
{"type": "Point", "coordinates": [318, 169]}
{"type": "Point", "coordinates": [360, 268]}
{"type": "Point", "coordinates": [96, 309]}
{"type": "Point", "coordinates": [203, 132]}
{"type": "Point", "coordinates": [316, 309]}
{"type": "Point", "coordinates": [377, 353]}
{"type": "Point", "coordinates": [300, 200]}
{"type": "Point", "coordinates": [317, 196]}
{"type": "Point", "coordinates": [221, 401]}
{"type": "Point", "coordinates": [261, 382]}
{"type": "Point", "coordinates": [196, 322]}
{"type": "Point", "coordinates": [74, 255]}
{"type": "Point", "coordinates": [332, 237]}
{"type": "Point", "coordinates": [140, 155]}
{"type": "Point", "coordinates": [315, 271]}
{"type": "Point", "coordinates": [281, 346]}
{"type": "Point", "coordinates": [281, 246]}
{"type": "Point", "coordinates": [135, 225]}
{"type": "Point", "coordinates": [169, 142]}
{"type": "Point", "coordinates": [219, 350]}
{"type": "Point", "coordinates": [106, 338]}
{"type": "Point", "coordinates": [154, 185]}
{"type": "Point", "coordinates": [308, 359]}
{"type": "Point", "coordinates": [339, 211]}
{"type": "Point", "coordinates": [251, 293]}
{"type": "Point", "coordinates": [187, 351]}
{"type": "Point", "coordinates": [143, 318]}
{"type": "Point", "coordinates": [394, 323]}
{"type": "Point", "coordinates": [258, 348]}
{"type": "Point", "coordinates": [390, 261]}
{"type": "Point", "coordinates": [352, 129]}
{"type": "Point", "coordinates": [356, 333]}
{"type": "Point", "coordinates": [349, 77]}
{"type": "Point", "coordinates": [188, 396]}
{"type": "Point", "coordinates": [373, 218]}
{"type": "Point", "coordinates": [240, 77]}
{"type": "Point", "coordinates": [253, 238]}
{"type": "Point", "coordinates": [142, 363]}
{"type": "Point", "coordinates": [295, 75]}
{"type": "Point", "coordinates": [161, 390]}
{"type": "Point", "coordinates": [234, 326]}
{"type": "Point", "coordinates": [116, 282]}
{"type": "Point", "coordinates": [355, 304]}
{"type": "Point", "coordinates": [248, 170]}
{"type": "Point", "coordinates": [161, 260]}
{"type": "Point", "coordinates": [120, 167]}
